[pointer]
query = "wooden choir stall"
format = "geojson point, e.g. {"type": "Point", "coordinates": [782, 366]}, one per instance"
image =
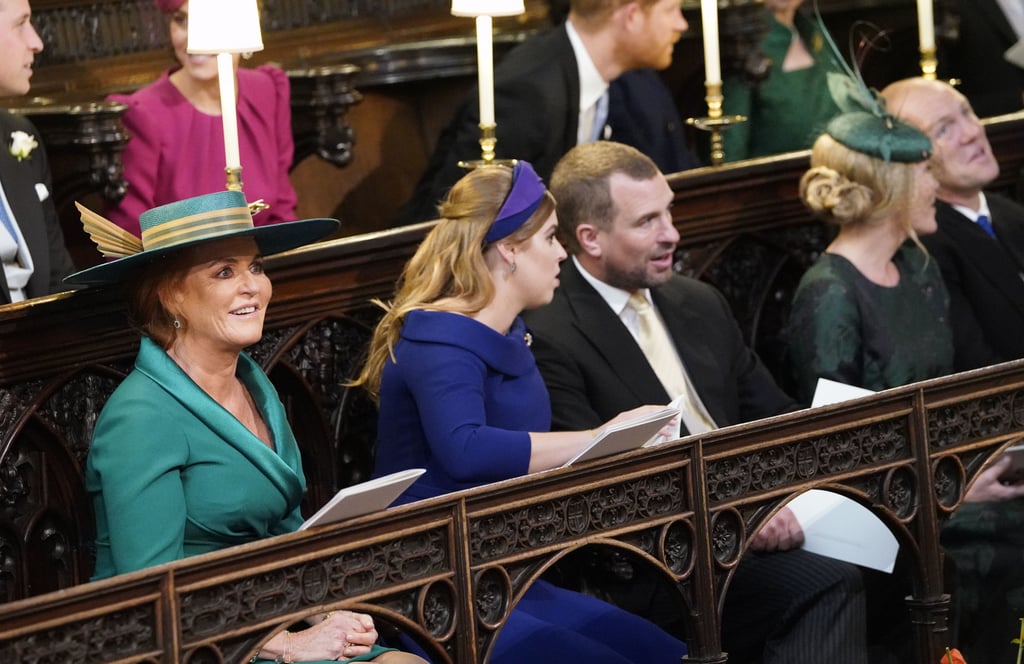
{"type": "Point", "coordinates": [445, 572]}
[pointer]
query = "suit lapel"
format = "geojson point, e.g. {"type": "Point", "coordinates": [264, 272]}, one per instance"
{"type": "Point", "coordinates": [988, 257]}
{"type": "Point", "coordinates": [696, 355]}
{"type": "Point", "coordinates": [19, 185]}
{"type": "Point", "coordinates": [595, 320]}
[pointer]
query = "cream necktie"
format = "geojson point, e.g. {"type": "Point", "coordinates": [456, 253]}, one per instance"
{"type": "Point", "coordinates": [661, 355]}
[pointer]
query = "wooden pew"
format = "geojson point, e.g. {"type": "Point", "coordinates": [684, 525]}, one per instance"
{"type": "Point", "coordinates": [447, 571]}
{"type": "Point", "coordinates": [60, 358]}
{"type": "Point", "coordinates": [373, 85]}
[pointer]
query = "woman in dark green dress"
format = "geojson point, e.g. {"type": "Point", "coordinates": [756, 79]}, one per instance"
{"type": "Point", "coordinates": [872, 311]}
{"type": "Point", "coordinates": [788, 109]}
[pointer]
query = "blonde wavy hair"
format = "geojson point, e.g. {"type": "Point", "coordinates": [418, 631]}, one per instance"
{"type": "Point", "coordinates": [846, 187]}
{"type": "Point", "coordinates": [448, 271]}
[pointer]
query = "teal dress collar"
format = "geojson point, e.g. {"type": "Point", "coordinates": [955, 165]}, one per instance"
{"type": "Point", "coordinates": [281, 465]}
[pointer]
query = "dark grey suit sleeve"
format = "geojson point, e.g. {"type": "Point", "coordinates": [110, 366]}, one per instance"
{"type": "Point", "coordinates": [571, 408]}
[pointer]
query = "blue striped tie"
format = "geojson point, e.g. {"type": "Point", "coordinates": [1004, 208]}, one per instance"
{"type": "Point", "coordinates": [5, 218]}
{"type": "Point", "coordinates": [986, 225]}
{"type": "Point", "coordinates": [600, 117]}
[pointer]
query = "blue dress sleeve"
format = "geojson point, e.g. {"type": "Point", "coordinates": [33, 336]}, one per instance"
{"type": "Point", "coordinates": [451, 389]}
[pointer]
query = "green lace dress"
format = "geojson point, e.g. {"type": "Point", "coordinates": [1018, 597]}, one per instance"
{"type": "Point", "coordinates": [844, 327]}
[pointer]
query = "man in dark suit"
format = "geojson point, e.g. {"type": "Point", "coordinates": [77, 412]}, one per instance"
{"type": "Point", "coordinates": [984, 33]}
{"type": "Point", "coordinates": [32, 251]}
{"type": "Point", "coordinates": [548, 96]}
{"type": "Point", "coordinates": [984, 273]}
{"type": "Point", "coordinates": [784, 604]}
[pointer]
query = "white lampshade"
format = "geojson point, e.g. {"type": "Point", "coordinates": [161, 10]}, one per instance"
{"type": "Point", "coordinates": [487, 7]}
{"type": "Point", "coordinates": [224, 26]}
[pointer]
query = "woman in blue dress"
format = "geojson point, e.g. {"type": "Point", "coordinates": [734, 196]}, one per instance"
{"type": "Point", "coordinates": [460, 394]}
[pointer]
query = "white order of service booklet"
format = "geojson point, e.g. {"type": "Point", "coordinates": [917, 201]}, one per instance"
{"type": "Point", "coordinates": [834, 525]}
{"type": "Point", "coordinates": [363, 498]}
{"type": "Point", "coordinates": [623, 436]}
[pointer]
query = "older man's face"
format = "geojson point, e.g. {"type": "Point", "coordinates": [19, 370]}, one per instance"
{"type": "Point", "coordinates": [962, 160]}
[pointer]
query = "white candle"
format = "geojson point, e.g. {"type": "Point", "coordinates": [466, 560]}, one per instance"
{"type": "Point", "coordinates": [709, 25]}
{"type": "Point", "coordinates": [925, 25]}
{"type": "Point", "coordinates": [228, 109]}
{"type": "Point", "coordinates": [485, 68]}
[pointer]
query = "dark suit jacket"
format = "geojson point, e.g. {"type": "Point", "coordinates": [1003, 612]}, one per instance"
{"type": "Point", "coordinates": [983, 277]}
{"type": "Point", "coordinates": [992, 84]}
{"type": "Point", "coordinates": [536, 102]}
{"type": "Point", "coordinates": [37, 219]}
{"type": "Point", "coordinates": [594, 369]}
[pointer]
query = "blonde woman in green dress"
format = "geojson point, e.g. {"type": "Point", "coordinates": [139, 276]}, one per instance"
{"type": "Point", "coordinates": [872, 311]}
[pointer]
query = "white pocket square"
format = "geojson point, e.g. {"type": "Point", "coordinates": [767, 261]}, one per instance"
{"type": "Point", "coordinates": [42, 192]}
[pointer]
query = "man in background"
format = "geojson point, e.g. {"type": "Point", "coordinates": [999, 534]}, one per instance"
{"type": "Point", "coordinates": [979, 244]}
{"type": "Point", "coordinates": [590, 78]}
{"type": "Point", "coordinates": [32, 247]}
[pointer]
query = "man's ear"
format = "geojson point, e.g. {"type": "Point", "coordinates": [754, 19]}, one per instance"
{"type": "Point", "coordinates": [625, 15]}
{"type": "Point", "coordinates": [588, 235]}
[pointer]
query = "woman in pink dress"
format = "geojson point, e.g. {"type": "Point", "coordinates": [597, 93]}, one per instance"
{"type": "Point", "coordinates": [176, 149]}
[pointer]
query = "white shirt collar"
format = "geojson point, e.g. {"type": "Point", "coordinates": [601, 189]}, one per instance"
{"type": "Point", "coordinates": [974, 214]}
{"type": "Point", "coordinates": [592, 86]}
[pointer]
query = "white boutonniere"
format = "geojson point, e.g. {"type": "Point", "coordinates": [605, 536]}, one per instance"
{"type": "Point", "coordinates": [22, 144]}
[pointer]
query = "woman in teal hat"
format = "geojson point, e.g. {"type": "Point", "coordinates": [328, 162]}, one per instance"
{"type": "Point", "coordinates": [192, 452]}
{"type": "Point", "coordinates": [872, 311]}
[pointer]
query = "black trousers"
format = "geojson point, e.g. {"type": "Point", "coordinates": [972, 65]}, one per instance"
{"type": "Point", "coordinates": [795, 606]}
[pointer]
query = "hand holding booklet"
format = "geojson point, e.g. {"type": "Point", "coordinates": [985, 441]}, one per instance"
{"type": "Point", "coordinates": [363, 498]}
{"type": "Point", "coordinates": [628, 435]}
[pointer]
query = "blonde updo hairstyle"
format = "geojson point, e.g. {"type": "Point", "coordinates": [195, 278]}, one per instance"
{"type": "Point", "coordinates": [846, 187]}
{"type": "Point", "coordinates": [448, 272]}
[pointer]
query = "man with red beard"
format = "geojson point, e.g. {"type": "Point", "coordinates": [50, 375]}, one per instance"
{"type": "Point", "coordinates": [979, 245]}
{"type": "Point", "coordinates": [592, 77]}
{"type": "Point", "coordinates": [784, 605]}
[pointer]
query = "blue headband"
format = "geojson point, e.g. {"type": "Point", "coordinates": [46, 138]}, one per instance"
{"type": "Point", "coordinates": [522, 201]}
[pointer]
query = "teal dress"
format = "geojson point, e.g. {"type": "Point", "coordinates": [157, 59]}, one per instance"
{"type": "Point", "coordinates": [787, 110]}
{"type": "Point", "coordinates": [846, 328]}
{"type": "Point", "coordinates": [172, 474]}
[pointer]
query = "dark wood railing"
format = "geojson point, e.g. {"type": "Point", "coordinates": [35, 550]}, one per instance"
{"type": "Point", "coordinates": [446, 572]}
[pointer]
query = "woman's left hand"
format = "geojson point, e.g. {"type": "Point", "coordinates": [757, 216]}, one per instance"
{"type": "Point", "coordinates": [357, 632]}
{"type": "Point", "coordinates": [340, 635]}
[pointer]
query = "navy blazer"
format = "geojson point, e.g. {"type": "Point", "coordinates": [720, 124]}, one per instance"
{"type": "Point", "coordinates": [37, 218]}
{"type": "Point", "coordinates": [536, 106]}
{"type": "Point", "coordinates": [984, 280]}
{"type": "Point", "coordinates": [594, 369]}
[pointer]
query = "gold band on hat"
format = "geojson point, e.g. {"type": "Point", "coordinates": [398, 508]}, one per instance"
{"type": "Point", "coordinates": [210, 224]}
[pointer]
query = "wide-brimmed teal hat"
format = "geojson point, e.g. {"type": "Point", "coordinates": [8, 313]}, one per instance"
{"type": "Point", "coordinates": [186, 223]}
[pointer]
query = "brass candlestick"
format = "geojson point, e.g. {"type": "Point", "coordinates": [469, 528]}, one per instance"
{"type": "Point", "coordinates": [234, 178]}
{"type": "Point", "coordinates": [715, 122]}
{"type": "Point", "coordinates": [929, 63]}
{"type": "Point", "coordinates": [488, 140]}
